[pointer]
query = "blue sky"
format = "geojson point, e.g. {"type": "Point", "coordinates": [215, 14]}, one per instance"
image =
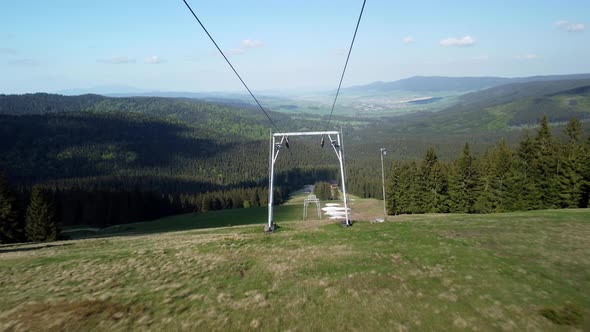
{"type": "Point", "coordinates": [281, 45]}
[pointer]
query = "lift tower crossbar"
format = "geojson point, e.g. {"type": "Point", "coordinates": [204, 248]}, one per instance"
{"type": "Point", "coordinates": [280, 139]}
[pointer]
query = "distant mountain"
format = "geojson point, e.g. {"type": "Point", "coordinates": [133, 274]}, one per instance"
{"type": "Point", "coordinates": [504, 107]}
{"type": "Point", "coordinates": [44, 103]}
{"type": "Point", "coordinates": [432, 84]}
{"type": "Point", "coordinates": [103, 90]}
{"type": "Point", "coordinates": [509, 93]}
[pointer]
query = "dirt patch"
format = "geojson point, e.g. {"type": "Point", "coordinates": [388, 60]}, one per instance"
{"type": "Point", "coordinates": [68, 316]}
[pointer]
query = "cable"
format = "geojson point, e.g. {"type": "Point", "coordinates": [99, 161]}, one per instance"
{"type": "Point", "coordinates": [346, 64]}
{"type": "Point", "coordinates": [232, 67]}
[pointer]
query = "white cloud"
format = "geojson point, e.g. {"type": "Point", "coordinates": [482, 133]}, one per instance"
{"type": "Point", "coordinates": [526, 57]}
{"type": "Point", "coordinates": [461, 42]}
{"type": "Point", "coordinates": [236, 51]}
{"type": "Point", "coordinates": [484, 57]}
{"type": "Point", "coordinates": [250, 43]}
{"type": "Point", "coordinates": [408, 40]}
{"type": "Point", "coordinates": [569, 26]}
{"type": "Point", "coordinates": [339, 51]}
{"type": "Point", "coordinates": [154, 60]}
{"type": "Point", "coordinates": [576, 27]}
{"type": "Point", "coordinates": [561, 23]}
{"type": "Point", "coordinates": [24, 62]}
{"type": "Point", "coordinates": [245, 44]}
{"type": "Point", "coordinates": [118, 60]}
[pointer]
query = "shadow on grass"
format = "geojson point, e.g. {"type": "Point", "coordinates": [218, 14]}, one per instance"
{"type": "Point", "coordinates": [192, 221]}
{"type": "Point", "coordinates": [17, 248]}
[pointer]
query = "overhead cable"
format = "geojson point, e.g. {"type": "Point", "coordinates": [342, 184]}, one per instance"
{"type": "Point", "coordinates": [232, 67]}
{"type": "Point", "coordinates": [345, 65]}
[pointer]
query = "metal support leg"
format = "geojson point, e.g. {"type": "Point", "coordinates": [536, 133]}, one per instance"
{"type": "Point", "coordinates": [343, 179]}
{"type": "Point", "coordinates": [270, 226]}
{"type": "Point", "coordinates": [274, 153]}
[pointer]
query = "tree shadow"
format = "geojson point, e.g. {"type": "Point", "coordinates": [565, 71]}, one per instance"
{"type": "Point", "coordinates": [86, 144]}
{"type": "Point", "coordinates": [19, 247]}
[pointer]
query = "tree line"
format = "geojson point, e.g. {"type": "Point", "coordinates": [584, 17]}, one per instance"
{"type": "Point", "coordinates": [37, 223]}
{"type": "Point", "coordinates": [37, 213]}
{"type": "Point", "coordinates": [542, 172]}
{"type": "Point", "coordinates": [324, 191]}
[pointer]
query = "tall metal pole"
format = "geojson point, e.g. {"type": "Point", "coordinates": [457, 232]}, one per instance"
{"type": "Point", "coordinates": [270, 188]}
{"type": "Point", "coordinates": [382, 152]}
{"type": "Point", "coordinates": [341, 159]}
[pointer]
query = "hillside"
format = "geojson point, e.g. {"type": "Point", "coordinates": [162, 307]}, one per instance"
{"type": "Point", "coordinates": [433, 272]}
{"type": "Point", "coordinates": [118, 160]}
{"type": "Point", "coordinates": [427, 84]}
{"type": "Point", "coordinates": [108, 161]}
{"type": "Point", "coordinates": [407, 96]}
{"type": "Point", "coordinates": [430, 84]}
{"type": "Point", "coordinates": [503, 108]}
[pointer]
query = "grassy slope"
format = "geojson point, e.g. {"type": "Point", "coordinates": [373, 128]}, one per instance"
{"type": "Point", "coordinates": [503, 108]}
{"type": "Point", "coordinates": [430, 272]}
{"type": "Point", "coordinates": [362, 209]}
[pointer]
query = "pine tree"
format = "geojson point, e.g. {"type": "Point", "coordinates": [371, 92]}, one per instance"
{"type": "Point", "coordinates": [407, 187]}
{"type": "Point", "coordinates": [464, 183]}
{"type": "Point", "coordinates": [485, 197]}
{"type": "Point", "coordinates": [41, 223]}
{"type": "Point", "coordinates": [11, 229]}
{"type": "Point", "coordinates": [322, 190]}
{"type": "Point", "coordinates": [432, 184]}
{"type": "Point", "coordinates": [524, 188]}
{"type": "Point", "coordinates": [505, 175]}
{"type": "Point", "coordinates": [497, 169]}
{"type": "Point", "coordinates": [546, 166]}
{"type": "Point", "coordinates": [393, 190]}
{"type": "Point", "coordinates": [569, 172]}
{"type": "Point", "coordinates": [585, 171]}
{"type": "Point", "coordinates": [573, 130]}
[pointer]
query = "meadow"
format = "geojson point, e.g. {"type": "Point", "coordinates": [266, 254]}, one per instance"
{"type": "Point", "coordinates": [512, 272]}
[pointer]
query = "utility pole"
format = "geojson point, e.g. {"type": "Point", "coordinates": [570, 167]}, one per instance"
{"type": "Point", "coordinates": [383, 151]}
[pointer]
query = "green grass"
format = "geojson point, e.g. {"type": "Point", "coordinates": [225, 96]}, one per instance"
{"type": "Point", "coordinates": [190, 221]}
{"type": "Point", "coordinates": [511, 271]}
{"type": "Point", "coordinates": [235, 217]}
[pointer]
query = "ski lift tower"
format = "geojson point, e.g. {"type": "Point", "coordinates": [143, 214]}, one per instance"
{"type": "Point", "coordinates": [312, 199]}
{"type": "Point", "coordinates": [278, 140]}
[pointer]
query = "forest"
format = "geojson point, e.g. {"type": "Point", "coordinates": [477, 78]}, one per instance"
{"type": "Point", "coordinates": [100, 161]}
{"type": "Point", "coordinates": [542, 172]}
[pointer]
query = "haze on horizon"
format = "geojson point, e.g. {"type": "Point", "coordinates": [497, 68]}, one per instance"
{"type": "Point", "coordinates": [279, 45]}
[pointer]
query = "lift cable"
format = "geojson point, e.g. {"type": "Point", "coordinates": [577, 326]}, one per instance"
{"type": "Point", "coordinates": [232, 67]}
{"type": "Point", "coordinates": [345, 65]}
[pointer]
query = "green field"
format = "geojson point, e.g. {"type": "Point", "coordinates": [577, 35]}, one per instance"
{"type": "Point", "coordinates": [512, 271]}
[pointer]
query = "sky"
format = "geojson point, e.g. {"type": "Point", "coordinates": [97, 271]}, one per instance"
{"type": "Point", "coordinates": [282, 45]}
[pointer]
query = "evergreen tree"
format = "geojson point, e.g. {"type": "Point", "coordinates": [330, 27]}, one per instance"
{"type": "Point", "coordinates": [585, 171]}
{"type": "Point", "coordinates": [547, 164]}
{"type": "Point", "coordinates": [498, 170]}
{"type": "Point", "coordinates": [573, 130]}
{"type": "Point", "coordinates": [405, 191]}
{"type": "Point", "coordinates": [525, 188]}
{"type": "Point", "coordinates": [432, 184]}
{"type": "Point", "coordinates": [411, 200]}
{"type": "Point", "coordinates": [41, 223]}
{"type": "Point", "coordinates": [504, 174]}
{"type": "Point", "coordinates": [393, 191]}
{"type": "Point", "coordinates": [464, 183]}
{"type": "Point", "coordinates": [322, 191]}
{"type": "Point", "coordinates": [569, 172]}
{"type": "Point", "coordinates": [485, 197]}
{"type": "Point", "coordinates": [11, 229]}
